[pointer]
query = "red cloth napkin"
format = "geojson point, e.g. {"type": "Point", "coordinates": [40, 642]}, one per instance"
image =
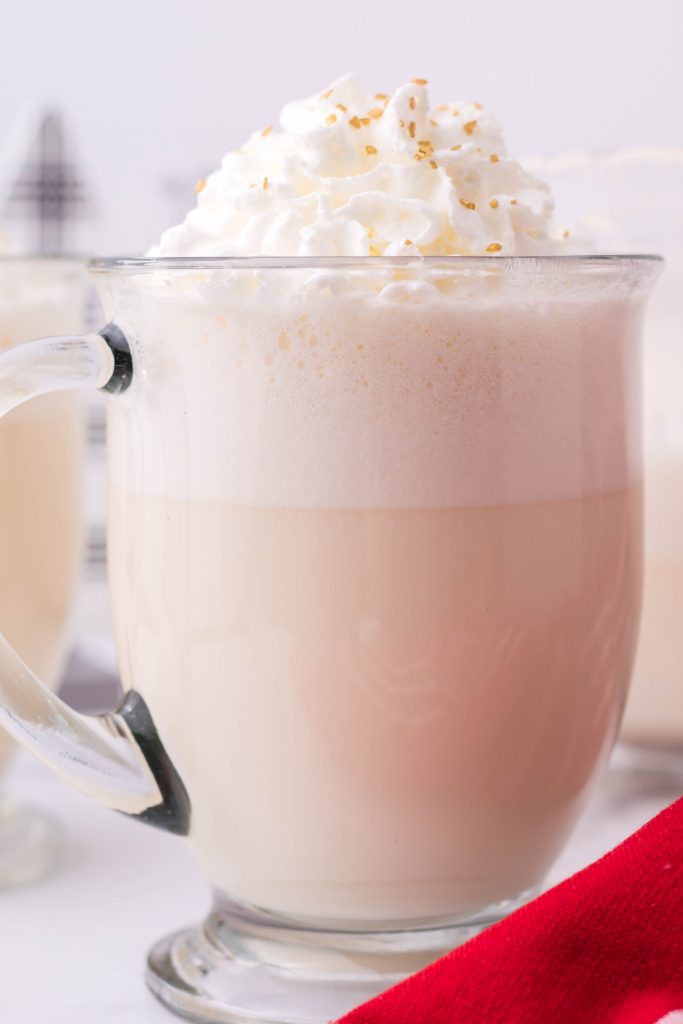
{"type": "Point", "coordinates": [604, 947]}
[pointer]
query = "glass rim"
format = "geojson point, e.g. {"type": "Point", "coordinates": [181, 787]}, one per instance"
{"type": "Point", "coordinates": [142, 264]}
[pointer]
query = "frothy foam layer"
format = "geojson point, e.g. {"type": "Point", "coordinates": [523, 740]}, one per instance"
{"type": "Point", "coordinates": [356, 405]}
{"type": "Point", "coordinates": [356, 174]}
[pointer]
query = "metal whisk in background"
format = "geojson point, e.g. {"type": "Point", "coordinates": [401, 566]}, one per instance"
{"type": "Point", "coordinates": [44, 199]}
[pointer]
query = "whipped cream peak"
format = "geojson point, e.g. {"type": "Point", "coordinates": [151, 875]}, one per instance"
{"type": "Point", "coordinates": [355, 174]}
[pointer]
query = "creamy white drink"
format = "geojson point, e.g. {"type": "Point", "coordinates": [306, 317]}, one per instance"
{"type": "Point", "coordinates": [375, 545]}
{"type": "Point", "coordinates": [40, 475]}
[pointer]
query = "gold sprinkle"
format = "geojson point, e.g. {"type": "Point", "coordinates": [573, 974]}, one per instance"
{"type": "Point", "coordinates": [265, 183]}
{"type": "Point", "coordinates": [468, 204]}
{"type": "Point", "coordinates": [442, 107]}
{"type": "Point", "coordinates": [494, 247]}
{"type": "Point", "coordinates": [408, 241]}
{"type": "Point", "coordinates": [494, 158]}
{"type": "Point", "coordinates": [330, 119]}
{"type": "Point", "coordinates": [456, 113]}
{"type": "Point", "coordinates": [469, 127]}
{"type": "Point", "coordinates": [371, 150]}
{"type": "Point", "coordinates": [513, 202]}
{"type": "Point", "coordinates": [565, 234]}
{"type": "Point", "coordinates": [494, 204]}
{"type": "Point", "coordinates": [373, 251]}
{"type": "Point", "coordinates": [432, 163]}
{"type": "Point", "coordinates": [477, 106]}
{"type": "Point", "coordinates": [283, 342]}
{"type": "Point", "coordinates": [340, 106]}
{"type": "Point", "coordinates": [375, 112]}
{"type": "Point", "coordinates": [267, 130]}
{"type": "Point", "coordinates": [411, 129]}
{"type": "Point", "coordinates": [411, 103]}
{"type": "Point", "coordinates": [402, 124]}
{"type": "Point", "coordinates": [354, 122]}
{"type": "Point", "coordinates": [326, 95]}
{"type": "Point", "coordinates": [433, 122]}
{"type": "Point", "coordinates": [454, 148]}
{"type": "Point", "coordinates": [365, 120]}
{"type": "Point", "coordinates": [381, 96]}
{"type": "Point", "coordinates": [200, 186]}
{"type": "Point", "coordinates": [420, 155]}
{"type": "Point", "coordinates": [371, 232]}
{"type": "Point", "coordinates": [419, 81]}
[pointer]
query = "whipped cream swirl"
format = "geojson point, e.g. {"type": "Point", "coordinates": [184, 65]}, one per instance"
{"type": "Point", "coordinates": [352, 174]}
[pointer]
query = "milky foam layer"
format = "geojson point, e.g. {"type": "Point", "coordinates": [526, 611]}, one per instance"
{"type": "Point", "coordinates": [355, 174]}
{"type": "Point", "coordinates": [366, 405]}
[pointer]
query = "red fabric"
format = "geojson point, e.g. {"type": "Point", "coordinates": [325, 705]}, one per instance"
{"type": "Point", "coordinates": [604, 947]}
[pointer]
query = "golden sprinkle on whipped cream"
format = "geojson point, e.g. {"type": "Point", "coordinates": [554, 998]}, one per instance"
{"type": "Point", "coordinates": [325, 198]}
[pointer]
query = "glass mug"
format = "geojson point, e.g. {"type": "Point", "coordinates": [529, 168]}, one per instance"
{"type": "Point", "coordinates": [40, 522]}
{"type": "Point", "coordinates": [375, 550]}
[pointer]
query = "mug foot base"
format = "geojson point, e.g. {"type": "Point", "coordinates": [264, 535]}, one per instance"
{"type": "Point", "coordinates": [234, 971]}
{"type": "Point", "coordinates": [29, 844]}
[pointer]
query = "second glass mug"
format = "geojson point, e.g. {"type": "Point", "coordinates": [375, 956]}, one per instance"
{"type": "Point", "coordinates": [375, 559]}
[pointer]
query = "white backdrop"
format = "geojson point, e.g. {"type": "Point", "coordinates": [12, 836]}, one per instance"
{"type": "Point", "coordinates": [157, 90]}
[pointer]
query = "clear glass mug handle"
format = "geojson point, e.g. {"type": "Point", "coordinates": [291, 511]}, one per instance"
{"type": "Point", "coordinates": [117, 757]}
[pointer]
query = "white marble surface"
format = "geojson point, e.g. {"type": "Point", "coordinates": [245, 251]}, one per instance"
{"type": "Point", "coordinates": [72, 947]}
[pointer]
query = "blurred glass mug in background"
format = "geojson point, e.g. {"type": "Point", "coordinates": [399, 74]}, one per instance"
{"type": "Point", "coordinates": [631, 200]}
{"type": "Point", "coordinates": [375, 560]}
{"type": "Point", "coordinates": [40, 515]}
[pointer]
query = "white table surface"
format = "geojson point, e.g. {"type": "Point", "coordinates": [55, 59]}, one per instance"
{"type": "Point", "coordinates": [72, 947]}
